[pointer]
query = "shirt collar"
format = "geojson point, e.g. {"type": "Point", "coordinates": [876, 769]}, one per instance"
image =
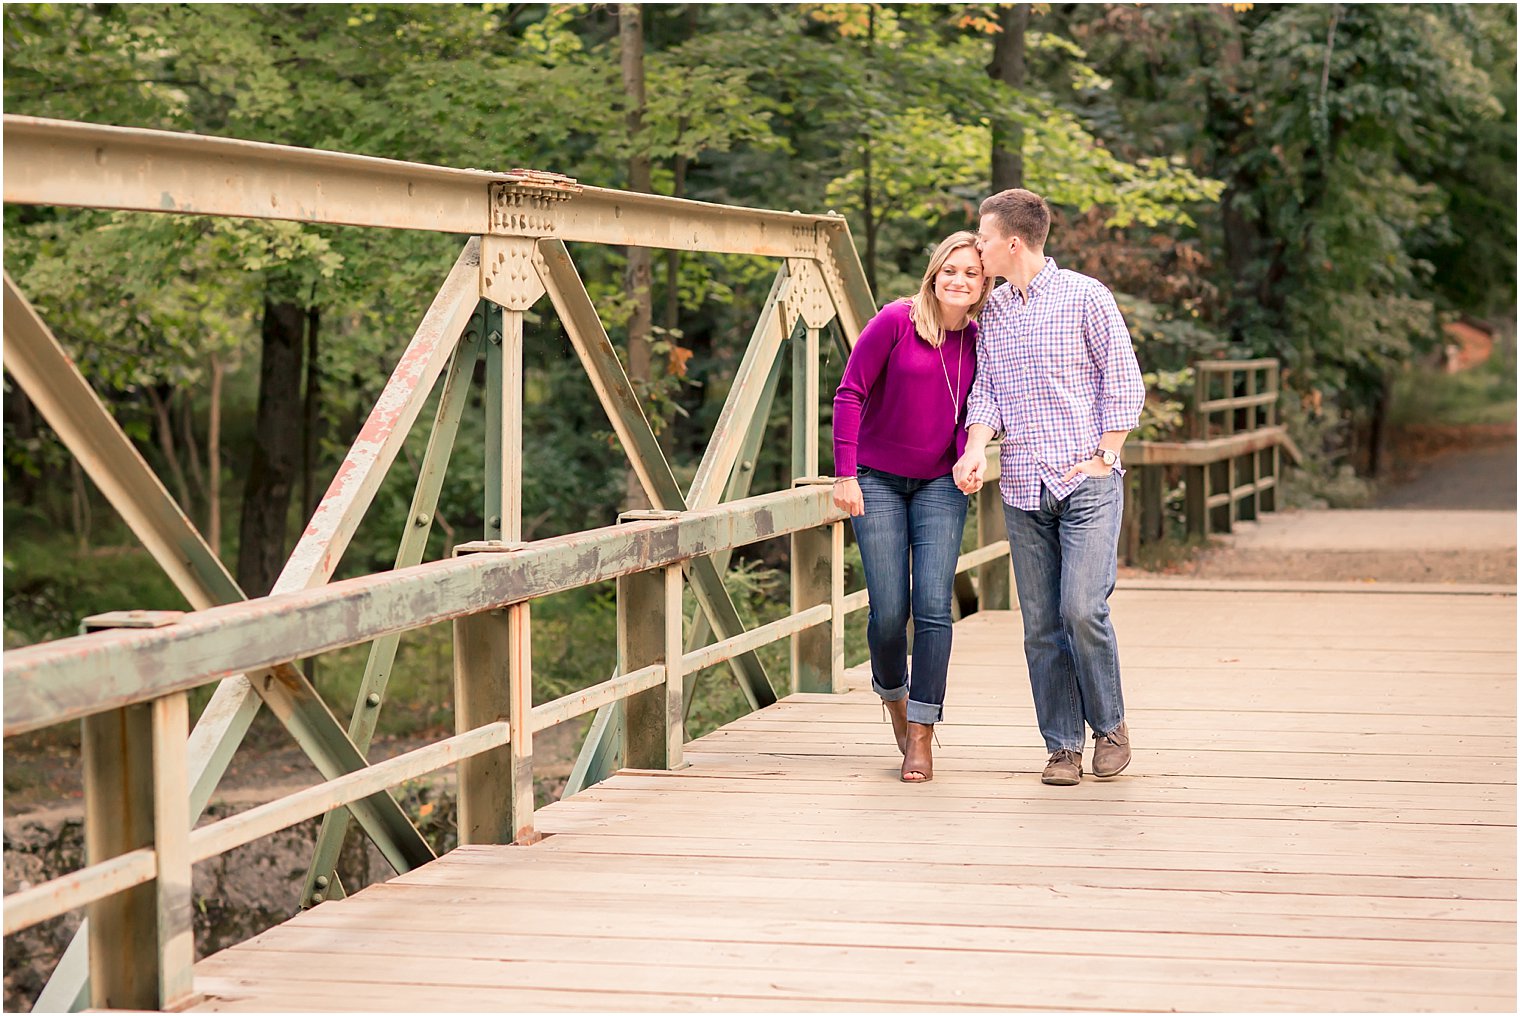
{"type": "Point", "coordinates": [1037, 284]}
{"type": "Point", "coordinates": [1046, 276]}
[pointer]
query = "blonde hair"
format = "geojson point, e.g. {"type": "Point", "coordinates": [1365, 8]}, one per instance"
{"type": "Point", "coordinates": [925, 309]}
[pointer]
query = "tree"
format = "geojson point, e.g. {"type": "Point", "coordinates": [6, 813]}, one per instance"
{"type": "Point", "coordinates": [1007, 66]}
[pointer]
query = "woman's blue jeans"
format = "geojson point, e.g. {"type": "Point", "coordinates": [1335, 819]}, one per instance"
{"type": "Point", "coordinates": [909, 539]}
{"type": "Point", "coordinates": [1065, 561]}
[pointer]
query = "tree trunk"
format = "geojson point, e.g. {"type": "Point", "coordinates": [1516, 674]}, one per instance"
{"type": "Point", "coordinates": [214, 459]}
{"type": "Point", "coordinates": [1008, 67]}
{"type": "Point", "coordinates": [310, 419]}
{"type": "Point", "coordinates": [192, 448]}
{"type": "Point", "coordinates": [79, 503]}
{"type": "Point", "coordinates": [311, 416]}
{"type": "Point", "coordinates": [165, 428]}
{"type": "Point", "coordinates": [18, 412]}
{"type": "Point", "coordinates": [640, 264]}
{"type": "Point", "coordinates": [276, 449]}
{"type": "Point", "coordinates": [867, 207]}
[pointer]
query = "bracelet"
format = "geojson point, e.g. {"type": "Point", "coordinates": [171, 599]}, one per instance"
{"type": "Point", "coordinates": [843, 479]}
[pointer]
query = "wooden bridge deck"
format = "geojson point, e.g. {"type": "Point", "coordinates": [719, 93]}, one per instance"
{"type": "Point", "coordinates": [1320, 816]}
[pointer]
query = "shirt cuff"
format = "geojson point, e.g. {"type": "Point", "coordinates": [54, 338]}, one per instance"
{"type": "Point", "coordinates": [987, 416]}
{"type": "Point", "coordinates": [1117, 418]}
{"type": "Point", "coordinates": [844, 461]}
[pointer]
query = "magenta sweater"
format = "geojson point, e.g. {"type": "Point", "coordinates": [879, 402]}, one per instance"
{"type": "Point", "coordinates": [893, 410]}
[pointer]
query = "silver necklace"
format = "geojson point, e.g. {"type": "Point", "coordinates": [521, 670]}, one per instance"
{"type": "Point", "coordinates": [960, 365]}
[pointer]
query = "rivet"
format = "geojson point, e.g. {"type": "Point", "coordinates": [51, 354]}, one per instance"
{"type": "Point", "coordinates": [373, 699]}
{"type": "Point", "coordinates": [318, 898]}
{"type": "Point", "coordinates": [423, 518]}
{"type": "Point", "coordinates": [494, 521]}
{"type": "Point", "coordinates": [747, 465]}
{"type": "Point", "coordinates": [321, 881]}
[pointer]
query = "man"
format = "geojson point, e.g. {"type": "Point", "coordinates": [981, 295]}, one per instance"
{"type": "Point", "coordinates": [1056, 373]}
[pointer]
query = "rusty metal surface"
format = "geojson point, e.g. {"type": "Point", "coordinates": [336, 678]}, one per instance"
{"type": "Point", "coordinates": [337, 516]}
{"type": "Point", "coordinates": [71, 678]}
{"type": "Point", "coordinates": [60, 162]}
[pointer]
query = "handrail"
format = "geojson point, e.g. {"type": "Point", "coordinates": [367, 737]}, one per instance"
{"type": "Point", "coordinates": [71, 678]}
{"type": "Point", "coordinates": [1230, 467]}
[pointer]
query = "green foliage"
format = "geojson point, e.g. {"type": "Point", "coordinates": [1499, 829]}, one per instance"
{"type": "Point", "coordinates": [1318, 183]}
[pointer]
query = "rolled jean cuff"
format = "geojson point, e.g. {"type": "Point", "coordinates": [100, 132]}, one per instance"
{"type": "Point", "coordinates": [923, 712]}
{"type": "Point", "coordinates": [890, 694]}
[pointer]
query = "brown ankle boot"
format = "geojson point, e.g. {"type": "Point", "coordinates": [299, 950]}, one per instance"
{"type": "Point", "coordinates": [918, 759]}
{"type": "Point", "coordinates": [898, 713]}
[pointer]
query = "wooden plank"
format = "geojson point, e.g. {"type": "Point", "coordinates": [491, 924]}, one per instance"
{"type": "Point", "coordinates": [1335, 833]}
{"type": "Point", "coordinates": [1108, 985]}
{"type": "Point", "coordinates": [309, 944]}
{"type": "Point", "coordinates": [584, 880]}
{"type": "Point", "coordinates": [252, 995]}
{"type": "Point", "coordinates": [994, 872]}
{"type": "Point", "coordinates": [842, 930]}
{"type": "Point", "coordinates": [937, 853]}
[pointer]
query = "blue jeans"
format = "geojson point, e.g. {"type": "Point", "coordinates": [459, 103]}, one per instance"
{"type": "Point", "coordinates": [1065, 561]}
{"type": "Point", "coordinates": [926, 518]}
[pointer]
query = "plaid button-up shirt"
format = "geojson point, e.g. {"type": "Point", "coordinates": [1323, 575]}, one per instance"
{"type": "Point", "coordinates": [1055, 369]}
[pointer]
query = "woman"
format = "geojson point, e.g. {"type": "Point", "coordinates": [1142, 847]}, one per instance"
{"type": "Point", "coordinates": [897, 434]}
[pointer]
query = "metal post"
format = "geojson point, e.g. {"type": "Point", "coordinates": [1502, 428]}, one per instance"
{"type": "Point", "coordinates": [494, 397]}
{"type": "Point", "coordinates": [649, 632]}
{"type": "Point", "coordinates": [814, 552]}
{"type": "Point", "coordinates": [805, 404]}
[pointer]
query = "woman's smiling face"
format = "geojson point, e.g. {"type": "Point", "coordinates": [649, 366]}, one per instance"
{"type": "Point", "coordinates": [960, 281]}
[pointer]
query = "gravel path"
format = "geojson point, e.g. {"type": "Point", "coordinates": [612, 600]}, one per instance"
{"type": "Point", "coordinates": [1453, 521]}
{"type": "Point", "coordinates": [1479, 478]}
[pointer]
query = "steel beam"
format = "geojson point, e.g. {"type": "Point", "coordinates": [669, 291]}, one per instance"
{"type": "Point", "coordinates": [151, 513]}
{"type": "Point", "coordinates": [382, 652]}
{"type": "Point", "coordinates": [738, 488]}
{"type": "Point", "coordinates": [60, 162]}
{"type": "Point", "coordinates": [51, 380]}
{"type": "Point", "coordinates": [616, 394]}
{"type": "Point", "coordinates": [846, 280]}
{"type": "Point", "coordinates": [338, 514]}
{"type": "Point", "coordinates": [743, 400]}
{"type": "Point", "coordinates": [39, 364]}
{"type": "Point", "coordinates": [71, 678]}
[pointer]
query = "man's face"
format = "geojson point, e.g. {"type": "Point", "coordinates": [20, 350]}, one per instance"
{"type": "Point", "coordinates": [995, 247]}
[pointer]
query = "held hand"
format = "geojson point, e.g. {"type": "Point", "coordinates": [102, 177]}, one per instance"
{"type": "Point", "coordinates": [848, 498]}
{"type": "Point", "coordinates": [969, 471]}
{"type": "Point", "coordinates": [1090, 467]}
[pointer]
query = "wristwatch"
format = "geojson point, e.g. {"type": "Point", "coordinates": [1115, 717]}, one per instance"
{"type": "Point", "coordinates": [1109, 458]}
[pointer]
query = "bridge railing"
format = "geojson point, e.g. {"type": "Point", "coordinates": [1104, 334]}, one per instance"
{"type": "Point", "coordinates": [1231, 464]}
{"type": "Point", "coordinates": [148, 782]}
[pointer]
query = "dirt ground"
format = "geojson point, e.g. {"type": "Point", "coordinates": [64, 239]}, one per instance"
{"type": "Point", "coordinates": [1435, 470]}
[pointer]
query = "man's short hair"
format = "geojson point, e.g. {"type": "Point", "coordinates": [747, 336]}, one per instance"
{"type": "Point", "coordinates": [1020, 213]}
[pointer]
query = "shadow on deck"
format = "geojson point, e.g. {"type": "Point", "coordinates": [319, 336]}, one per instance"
{"type": "Point", "coordinates": [1320, 816]}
